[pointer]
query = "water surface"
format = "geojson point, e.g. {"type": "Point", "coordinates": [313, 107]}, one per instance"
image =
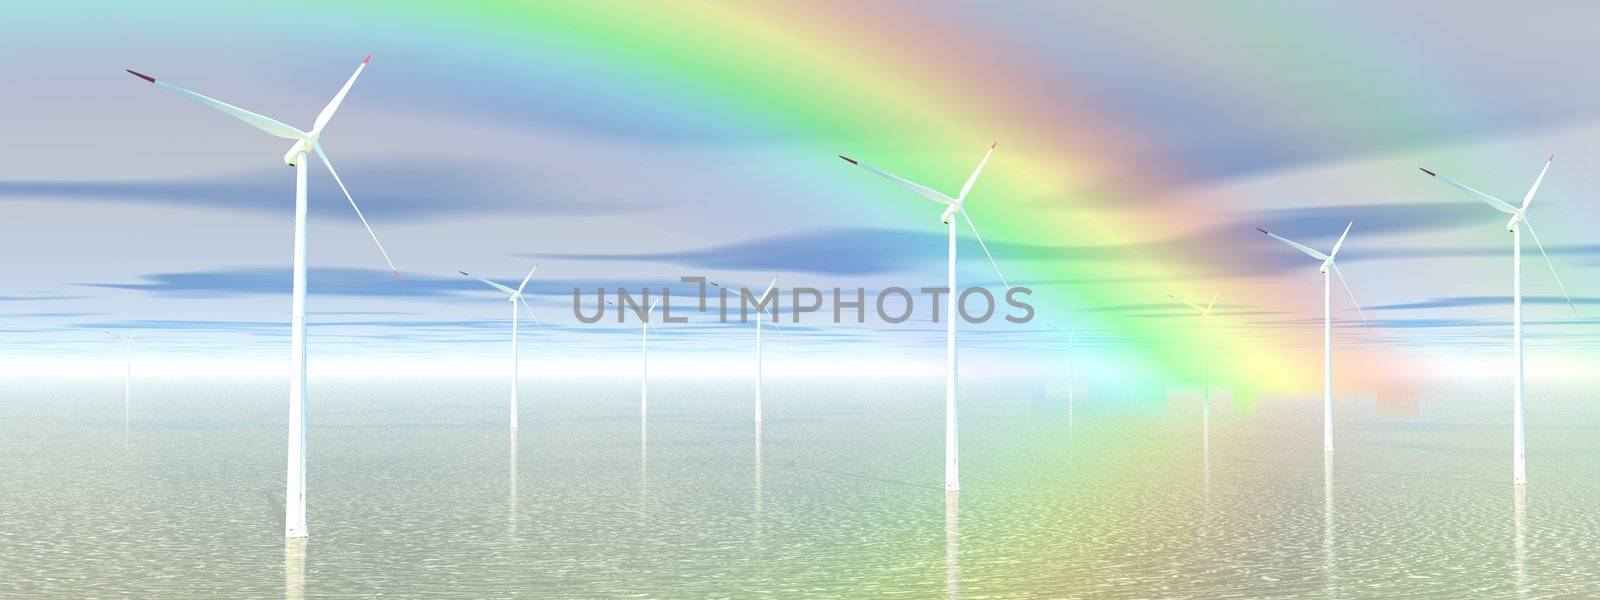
{"type": "Point", "coordinates": [418, 490]}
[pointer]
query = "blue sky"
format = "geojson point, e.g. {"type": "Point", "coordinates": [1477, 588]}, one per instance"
{"type": "Point", "coordinates": [128, 208]}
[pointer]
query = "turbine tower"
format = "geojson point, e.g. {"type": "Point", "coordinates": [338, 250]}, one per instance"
{"type": "Point", "coordinates": [127, 377]}
{"type": "Point", "coordinates": [305, 143]}
{"type": "Point", "coordinates": [644, 359]}
{"type": "Point", "coordinates": [515, 298]}
{"type": "Point", "coordinates": [1327, 321]}
{"type": "Point", "coordinates": [1205, 351]}
{"type": "Point", "coordinates": [776, 320]}
{"type": "Point", "coordinates": [953, 206]}
{"type": "Point", "coordinates": [1072, 384]}
{"type": "Point", "coordinates": [1519, 218]}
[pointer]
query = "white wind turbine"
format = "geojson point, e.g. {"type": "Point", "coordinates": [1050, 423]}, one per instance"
{"type": "Point", "coordinates": [1205, 351]}
{"type": "Point", "coordinates": [304, 144]}
{"type": "Point", "coordinates": [776, 320]}
{"type": "Point", "coordinates": [1071, 381]}
{"type": "Point", "coordinates": [1327, 321]}
{"type": "Point", "coordinates": [127, 376]}
{"type": "Point", "coordinates": [953, 206]}
{"type": "Point", "coordinates": [644, 359]}
{"type": "Point", "coordinates": [515, 298]}
{"type": "Point", "coordinates": [1519, 217]}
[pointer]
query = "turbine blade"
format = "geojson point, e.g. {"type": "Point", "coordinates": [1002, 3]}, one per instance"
{"type": "Point", "coordinates": [333, 105]}
{"type": "Point", "coordinates": [764, 294]}
{"type": "Point", "coordinates": [649, 311]}
{"type": "Point", "coordinates": [1339, 243]}
{"type": "Point", "coordinates": [385, 253]}
{"type": "Point", "coordinates": [1346, 285]}
{"type": "Point", "coordinates": [1552, 265]}
{"type": "Point", "coordinates": [1213, 302]}
{"type": "Point", "coordinates": [1497, 203]}
{"type": "Point", "coordinates": [1297, 245]}
{"type": "Point", "coordinates": [495, 285]}
{"type": "Point", "coordinates": [534, 317]}
{"type": "Point", "coordinates": [525, 279]}
{"type": "Point", "coordinates": [1528, 199]}
{"type": "Point", "coordinates": [262, 122]}
{"type": "Point", "coordinates": [1197, 308]}
{"type": "Point", "coordinates": [778, 322]}
{"type": "Point", "coordinates": [985, 249]}
{"type": "Point", "coordinates": [971, 179]}
{"type": "Point", "coordinates": [925, 191]}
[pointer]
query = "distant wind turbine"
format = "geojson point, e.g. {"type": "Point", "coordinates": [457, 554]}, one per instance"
{"type": "Point", "coordinates": [1205, 351]}
{"type": "Point", "coordinates": [1327, 322]}
{"type": "Point", "coordinates": [760, 301]}
{"type": "Point", "coordinates": [644, 358]}
{"type": "Point", "coordinates": [127, 376]}
{"type": "Point", "coordinates": [1519, 217]}
{"type": "Point", "coordinates": [952, 467]}
{"type": "Point", "coordinates": [1071, 382]}
{"type": "Point", "coordinates": [515, 298]}
{"type": "Point", "coordinates": [304, 143]}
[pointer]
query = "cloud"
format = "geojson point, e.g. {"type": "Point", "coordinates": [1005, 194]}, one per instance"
{"type": "Point", "coordinates": [1471, 301]}
{"type": "Point", "coordinates": [336, 281]}
{"type": "Point", "coordinates": [1578, 250]}
{"type": "Point", "coordinates": [833, 251]}
{"type": "Point", "coordinates": [868, 251]}
{"type": "Point", "coordinates": [389, 190]}
{"type": "Point", "coordinates": [33, 297]}
{"type": "Point", "coordinates": [273, 280]}
{"type": "Point", "coordinates": [1315, 223]}
{"type": "Point", "coordinates": [836, 251]}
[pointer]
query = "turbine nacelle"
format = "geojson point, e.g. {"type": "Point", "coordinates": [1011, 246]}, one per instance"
{"type": "Point", "coordinates": [949, 214]}
{"type": "Point", "coordinates": [303, 146]}
{"type": "Point", "coordinates": [1516, 218]}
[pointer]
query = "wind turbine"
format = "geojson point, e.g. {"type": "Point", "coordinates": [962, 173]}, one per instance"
{"type": "Point", "coordinates": [762, 300]}
{"type": "Point", "coordinates": [952, 467]}
{"type": "Point", "coordinates": [644, 359]}
{"type": "Point", "coordinates": [1519, 217]}
{"type": "Point", "coordinates": [514, 297]}
{"type": "Point", "coordinates": [1071, 383]}
{"type": "Point", "coordinates": [1205, 350]}
{"type": "Point", "coordinates": [1327, 321]}
{"type": "Point", "coordinates": [304, 143]}
{"type": "Point", "coordinates": [127, 376]}
{"type": "Point", "coordinates": [1205, 324]}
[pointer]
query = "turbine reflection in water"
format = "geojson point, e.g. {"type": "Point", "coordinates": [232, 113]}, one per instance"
{"type": "Point", "coordinates": [1520, 508]}
{"type": "Point", "coordinates": [1327, 522]}
{"type": "Point", "coordinates": [952, 544]}
{"type": "Point", "coordinates": [294, 568]}
{"type": "Point", "coordinates": [511, 495]}
{"type": "Point", "coordinates": [755, 540]}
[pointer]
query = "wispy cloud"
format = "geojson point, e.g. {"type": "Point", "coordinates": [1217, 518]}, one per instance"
{"type": "Point", "coordinates": [393, 190]}
{"type": "Point", "coordinates": [1473, 301]}
{"type": "Point", "coordinates": [335, 281]}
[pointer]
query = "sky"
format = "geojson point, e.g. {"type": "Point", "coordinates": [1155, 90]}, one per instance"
{"type": "Point", "coordinates": [621, 144]}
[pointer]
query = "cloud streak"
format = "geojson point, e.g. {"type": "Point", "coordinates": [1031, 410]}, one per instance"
{"type": "Point", "coordinates": [336, 281]}
{"type": "Point", "coordinates": [392, 190]}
